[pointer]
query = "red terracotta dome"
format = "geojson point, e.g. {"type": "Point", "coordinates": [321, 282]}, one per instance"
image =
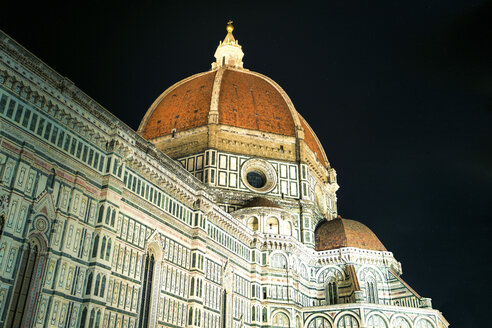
{"type": "Point", "coordinates": [249, 101]}
{"type": "Point", "coordinates": [183, 106]}
{"type": "Point", "coordinates": [245, 100]}
{"type": "Point", "coordinates": [340, 233]}
{"type": "Point", "coordinates": [240, 98]}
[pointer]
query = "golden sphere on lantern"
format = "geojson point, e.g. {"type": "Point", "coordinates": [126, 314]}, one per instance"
{"type": "Point", "coordinates": [229, 27]}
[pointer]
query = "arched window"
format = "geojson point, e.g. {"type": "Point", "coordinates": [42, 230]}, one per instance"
{"type": "Point", "coordinates": [264, 315]}
{"type": "Point", "coordinates": [98, 319]}
{"type": "Point", "coordinates": [278, 260]}
{"type": "Point", "coordinates": [288, 229]}
{"type": "Point", "coordinates": [108, 249]}
{"type": "Point", "coordinates": [347, 321]}
{"type": "Point", "coordinates": [24, 288]}
{"type": "Point", "coordinates": [272, 225]}
{"type": "Point", "coordinates": [424, 323]}
{"type": "Point", "coordinates": [89, 284]}
{"type": "Point", "coordinates": [253, 224]}
{"type": "Point", "coordinates": [91, 319]}
{"type": "Point", "coordinates": [146, 291]}
{"type": "Point", "coordinates": [103, 286]}
{"type": "Point", "coordinates": [253, 313]}
{"type": "Point", "coordinates": [192, 287]}
{"type": "Point", "coordinates": [190, 316]}
{"type": "Point", "coordinates": [103, 247]}
{"type": "Point", "coordinates": [371, 290]}
{"type": "Point", "coordinates": [96, 286]}
{"type": "Point", "coordinates": [280, 320]}
{"type": "Point", "coordinates": [100, 214]}
{"type": "Point", "coordinates": [198, 318]}
{"type": "Point", "coordinates": [83, 317]}
{"type": "Point", "coordinates": [95, 245]}
{"type": "Point", "coordinates": [113, 215]}
{"type": "Point", "coordinates": [298, 322]}
{"type": "Point", "coordinates": [304, 271]}
{"type": "Point", "coordinates": [319, 322]}
{"type": "Point", "coordinates": [108, 214]}
{"type": "Point", "coordinates": [332, 292]}
{"type": "Point", "coordinates": [50, 183]}
{"type": "Point", "coordinates": [400, 322]}
{"type": "Point", "coordinates": [376, 321]}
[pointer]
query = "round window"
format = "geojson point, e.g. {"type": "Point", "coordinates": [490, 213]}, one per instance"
{"type": "Point", "coordinates": [258, 175]}
{"type": "Point", "coordinates": [256, 179]}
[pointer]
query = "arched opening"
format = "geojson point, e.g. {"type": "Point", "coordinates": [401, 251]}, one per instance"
{"type": "Point", "coordinates": [146, 300]}
{"type": "Point", "coordinates": [91, 319]}
{"type": "Point", "coordinates": [108, 214]}
{"type": "Point", "coordinates": [372, 290]}
{"type": "Point", "coordinates": [304, 271]}
{"type": "Point", "coordinates": [103, 247]}
{"type": "Point", "coordinates": [424, 323]}
{"type": "Point", "coordinates": [272, 225]}
{"type": "Point", "coordinates": [192, 287]}
{"type": "Point", "coordinates": [400, 322]}
{"type": "Point", "coordinates": [113, 215]}
{"type": "Point", "coordinates": [190, 316]}
{"type": "Point", "coordinates": [50, 183]}
{"type": "Point", "coordinates": [331, 292]}
{"type": "Point", "coordinates": [278, 260]}
{"type": "Point", "coordinates": [103, 286]}
{"type": "Point", "coordinates": [288, 229]}
{"type": "Point", "coordinates": [83, 317]}
{"type": "Point", "coordinates": [89, 284]}
{"type": "Point", "coordinates": [95, 245]}
{"type": "Point", "coordinates": [280, 320]}
{"type": "Point", "coordinates": [100, 214]}
{"type": "Point", "coordinates": [376, 321]}
{"type": "Point", "coordinates": [108, 249]}
{"type": "Point", "coordinates": [298, 322]}
{"type": "Point", "coordinates": [96, 286]}
{"type": "Point", "coordinates": [319, 322]}
{"type": "Point", "coordinates": [253, 224]}
{"type": "Point", "coordinates": [98, 319]}
{"type": "Point", "coordinates": [25, 291]}
{"type": "Point", "coordinates": [347, 321]}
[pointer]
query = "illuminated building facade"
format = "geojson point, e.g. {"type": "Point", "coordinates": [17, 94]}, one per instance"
{"type": "Point", "coordinates": [220, 211]}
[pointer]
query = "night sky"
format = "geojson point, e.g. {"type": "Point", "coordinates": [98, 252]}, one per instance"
{"type": "Point", "coordinates": [399, 94]}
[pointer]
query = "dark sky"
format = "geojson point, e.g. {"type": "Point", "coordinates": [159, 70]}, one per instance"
{"type": "Point", "coordinates": [399, 93]}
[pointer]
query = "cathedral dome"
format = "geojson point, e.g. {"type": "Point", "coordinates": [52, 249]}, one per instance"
{"type": "Point", "coordinates": [244, 99]}
{"type": "Point", "coordinates": [236, 102]}
{"type": "Point", "coordinates": [339, 232]}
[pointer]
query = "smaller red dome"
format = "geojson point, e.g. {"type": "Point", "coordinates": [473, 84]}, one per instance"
{"type": "Point", "coordinates": [340, 233]}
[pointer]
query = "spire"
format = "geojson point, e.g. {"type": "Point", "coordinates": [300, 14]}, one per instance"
{"type": "Point", "coordinates": [228, 52]}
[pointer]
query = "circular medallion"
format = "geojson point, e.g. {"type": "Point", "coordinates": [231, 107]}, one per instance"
{"type": "Point", "coordinates": [40, 225]}
{"type": "Point", "coordinates": [258, 175]}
